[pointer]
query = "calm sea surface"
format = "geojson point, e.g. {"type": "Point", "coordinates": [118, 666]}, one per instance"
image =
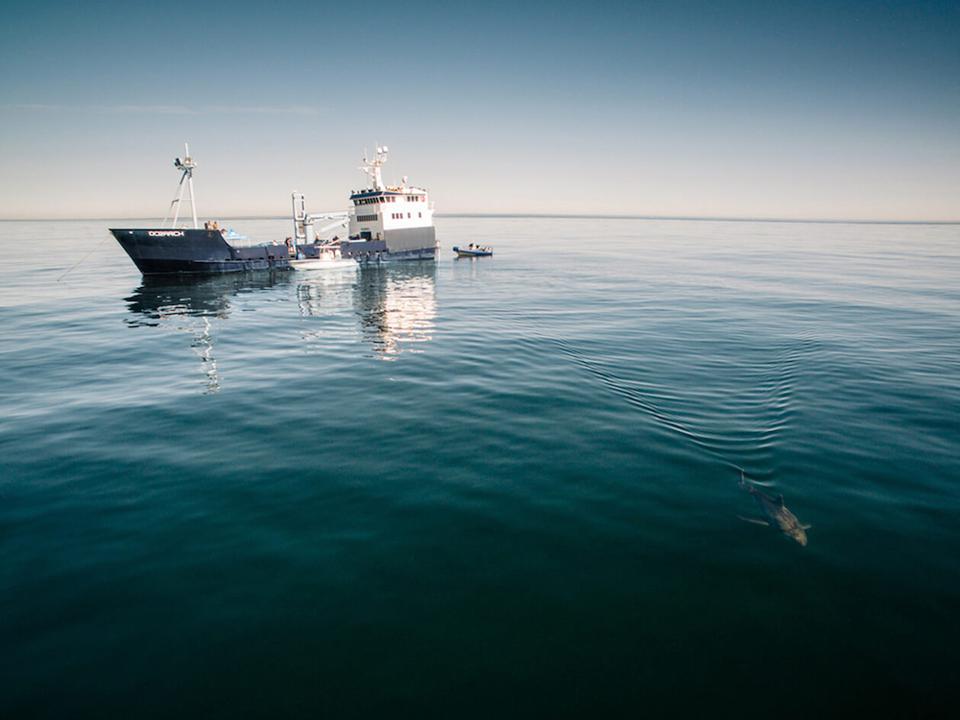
{"type": "Point", "coordinates": [501, 487]}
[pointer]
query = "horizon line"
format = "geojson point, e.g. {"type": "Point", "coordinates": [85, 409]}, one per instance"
{"type": "Point", "coordinates": [571, 216]}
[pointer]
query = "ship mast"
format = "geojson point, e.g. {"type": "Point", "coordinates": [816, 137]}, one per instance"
{"type": "Point", "coordinates": [372, 167]}
{"type": "Point", "coordinates": [186, 166]}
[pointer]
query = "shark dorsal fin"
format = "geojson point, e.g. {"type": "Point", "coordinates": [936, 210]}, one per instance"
{"type": "Point", "coordinates": [780, 500]}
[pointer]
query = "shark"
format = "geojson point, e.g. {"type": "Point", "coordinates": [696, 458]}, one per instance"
{"type": "Point", "coordinates": [777, 514]}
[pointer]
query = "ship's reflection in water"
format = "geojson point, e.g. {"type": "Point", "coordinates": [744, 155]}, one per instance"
{"type": "Point", "coordinates": [394, 307]}
{"type": "Point", "coordinates": [397, 306]}
{"type": "Point", "coordinates": [194, 306]}
{"type": "Point", "coordinates": [326, 292]}
{"type": "Point", "coordinates": [324, 299]}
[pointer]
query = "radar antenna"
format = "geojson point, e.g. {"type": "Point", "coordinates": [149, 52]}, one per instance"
{"type": "Point", "coordinates": [186, 166]}
{"type": "Point", "coordinates": [372, 167]}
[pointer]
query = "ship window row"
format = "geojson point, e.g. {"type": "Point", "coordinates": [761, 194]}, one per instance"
{"type": "Point", "coordinates": [375, 200]}
{"type": "Point", "coordinates": [388, 198]}
{"type": "Point", "coordinates": [366, 218]}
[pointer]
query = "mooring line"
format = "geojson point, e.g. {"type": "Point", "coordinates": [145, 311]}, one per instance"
{"type": "Point", "coordinates": [77, 264]}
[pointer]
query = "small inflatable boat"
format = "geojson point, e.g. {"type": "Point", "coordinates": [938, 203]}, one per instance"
{"type": "Point", "coordinates": [473, 252]}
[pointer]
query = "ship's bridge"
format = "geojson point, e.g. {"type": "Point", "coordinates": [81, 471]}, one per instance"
{"type": "Point", "coordinates": [389, 195]}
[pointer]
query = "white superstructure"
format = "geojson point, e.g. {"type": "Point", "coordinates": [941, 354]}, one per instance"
{"type": "Point", "coordinates": [390, 220]}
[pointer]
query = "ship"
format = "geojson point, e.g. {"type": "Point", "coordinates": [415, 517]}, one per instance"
{"type": "Point", "coordinates": [389, 222]}
{"type": "Point", "coordinates": [385, 223]}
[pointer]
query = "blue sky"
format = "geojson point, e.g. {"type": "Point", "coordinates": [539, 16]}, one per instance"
{"type": "Point", "coordinates": [722, 109]}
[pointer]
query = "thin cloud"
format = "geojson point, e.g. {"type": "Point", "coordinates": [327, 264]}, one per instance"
{"type": "Point", "coordinates": [33, 106]}
{"type": "Point", "coordinates": [147, 109]}
{"type": "Point", "coordinates": [171, 109]}
{"type": "Point", "coordinates": [265, 109]}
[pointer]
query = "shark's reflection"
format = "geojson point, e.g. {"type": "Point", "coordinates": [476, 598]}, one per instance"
{"type": "Point", "coordinates": [194, 306]}
{"type": "Point", "coordinates": [397, 306]}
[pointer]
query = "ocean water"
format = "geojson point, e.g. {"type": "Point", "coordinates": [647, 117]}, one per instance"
{"type": "Point", "coordinates": [496, 487]}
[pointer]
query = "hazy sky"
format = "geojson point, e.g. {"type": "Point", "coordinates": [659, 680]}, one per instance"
{"type": "Point", "coordinates": [760, 109]}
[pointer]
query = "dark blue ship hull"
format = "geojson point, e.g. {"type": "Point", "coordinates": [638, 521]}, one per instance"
{"type": "Point", "coordinates": [398, 244]}
{"type": "Point", "coordinates": [162, 251]}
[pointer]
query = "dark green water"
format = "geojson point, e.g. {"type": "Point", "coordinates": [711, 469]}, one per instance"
{"type": "Point", "coordinates": [503, 487]}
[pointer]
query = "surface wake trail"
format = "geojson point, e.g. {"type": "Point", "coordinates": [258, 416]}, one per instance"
{"type": "Point", "coordinates": [775, 393]}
